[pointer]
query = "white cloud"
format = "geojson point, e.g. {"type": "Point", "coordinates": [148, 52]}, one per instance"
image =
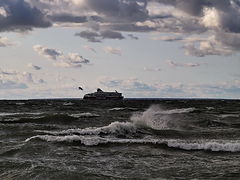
{"type": "Point", "coordinates": [108, 19]}
{"type": "Point", "coordinates": [111, 50]}
{"type": "Point", "coordinates": [70, 60]}
{"type": "Point", "coordinates": [211, 18]}
{"type": "Point", "coordinates": [135, 88]}
{"type": "Point", "coordinates": [3, 12]}
{"type": "Point", "coordinates": [4, 42]}
{"type": "Point", "coordinates": [48, 52]}
{"type": "Point", "coordinates": [12, 79]}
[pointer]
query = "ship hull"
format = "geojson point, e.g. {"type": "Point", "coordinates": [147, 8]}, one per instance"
{"type": "Point", "coordinates": [101, 95]}
{"type": "Point", "coordinates": [103, 98]}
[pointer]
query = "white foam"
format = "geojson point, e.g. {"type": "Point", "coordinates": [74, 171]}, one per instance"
{"type": "Point", "coordinates": [210, 108]}
{"type": "Point", "coordinates": [117, 109]}
{"type": "Point", "coordinates": [230, 146]}
{"type": "Point", "coordinates": [20, 103]}
{"type": "Point", "coordinates": [178, 111]}
{"type": "Point", "coordinates": [88, 141]}
{"type": "Point", "coordinates": [68, 104]}
{"type": "Point", "coordinates": [116, 128]}
{"type": "Point", "coordinates": [86, 114]}
{"type": "Point", "coordinates": [91, 140]}
{"type": "Point", "coordinates": [122, 109]}
{"type": "Point", "coordinates": [228, 115]}
{"type": "Point", "coordinates": [22, 113]}
{"type": "Point", "coordinates": [213, 145]}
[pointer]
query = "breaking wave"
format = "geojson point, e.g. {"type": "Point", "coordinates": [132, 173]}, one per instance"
{"type": "Point", "coordinates": [213, 145]}
{"type": "Point", "coordinates": [115, 128]}
{"type": "Point", "coordinates": [153, 118]}
{"type": "Point", "coordinates": [130, 132]}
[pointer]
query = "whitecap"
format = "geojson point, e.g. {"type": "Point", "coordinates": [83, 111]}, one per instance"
{"type": "Point", "coordinates": [68, 104]}
{"type": "Point", "coordinates": [117, 109]}
{"type": "Point", "coordinates": [117, 128]}
{"type": "Point", "coordinates": [86, 114]}
{"type": "Point", "coordinates": [212, 145]}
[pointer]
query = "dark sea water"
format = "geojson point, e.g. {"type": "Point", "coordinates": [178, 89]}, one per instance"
{"type": "Point", "coordinates": [129, 139]}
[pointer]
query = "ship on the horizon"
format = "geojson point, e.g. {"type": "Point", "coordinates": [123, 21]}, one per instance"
{"type": "Point", "coordinates": [101, 95]}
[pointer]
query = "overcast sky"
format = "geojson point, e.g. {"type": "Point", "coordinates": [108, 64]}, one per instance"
{"type": "Point", "coordinates": [142, 48]}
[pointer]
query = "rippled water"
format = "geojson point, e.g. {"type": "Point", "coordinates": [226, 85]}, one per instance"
{"type": "Point", "coordinates": [133, 138]}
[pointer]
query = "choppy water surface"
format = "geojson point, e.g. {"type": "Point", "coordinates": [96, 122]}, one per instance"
{"type": "Point", "coordinates": [142, 139]}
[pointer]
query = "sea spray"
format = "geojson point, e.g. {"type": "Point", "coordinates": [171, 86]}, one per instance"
{"type": "Point", "coordinates": [157, 118]}
{"type": "Point", "coordinates": [151, 118]}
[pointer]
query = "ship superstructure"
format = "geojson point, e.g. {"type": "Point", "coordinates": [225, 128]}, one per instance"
{"type": "Point", "coordinates": [101, 95]}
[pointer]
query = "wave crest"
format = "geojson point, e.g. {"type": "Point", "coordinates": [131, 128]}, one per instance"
{"type": "Point", "coordinates": [115, 128]}
{"type": "Point", "coordinates": [213, 145]}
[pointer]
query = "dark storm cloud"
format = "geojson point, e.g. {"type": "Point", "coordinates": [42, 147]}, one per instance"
{"type": "Point", "coordinates": [133, 37]}
{"type": "Point", "coordinates": [21, 16]}
{"type": "Point", "coordinates": [195, 7]}
{"type": "Point", "coordinates": [89, 35]}
{"type": "Point", "coordinates": [228, 10]}
{"type": "Point", "coordinates": [107, 19]}
{"type": "Point", "coordinates": [121, 10]}
{"type": "Point", "coordinates": [68, 18]}
{"type": "Point", "coordinates": [98, 36]}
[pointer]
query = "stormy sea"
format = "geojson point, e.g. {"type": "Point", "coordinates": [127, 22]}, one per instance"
{"type": "Point", "coordinates": [126, 139]}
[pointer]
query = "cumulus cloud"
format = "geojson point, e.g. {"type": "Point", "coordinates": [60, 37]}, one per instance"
{"type": "Point", "coordinates": [12, 79]}
{"type": "Point", "coordinates": [107, 19]}
{"type": "Point", "coordinates": [3, 12]}
{"type": "Point", "coordinates": [214, 17]}
{"type": "Point", "coordinates": [48, 52]}
{"type": "Point", "coordinates": [5, 42]}
{"type": "Point", "coordinates": [18, 15]}
{"type": "Point", "coordinates": [111, 50]}
{"type": "Point", "coordinates": [70, 60]}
